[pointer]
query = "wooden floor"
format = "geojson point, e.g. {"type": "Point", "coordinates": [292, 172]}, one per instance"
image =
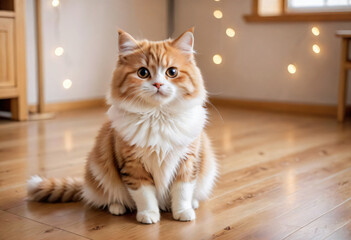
{"type": "Point", "coordinates": [282, 177]}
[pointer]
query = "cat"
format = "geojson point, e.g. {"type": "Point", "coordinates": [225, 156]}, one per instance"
{"type": "Point", "coordinates": [153, 152]}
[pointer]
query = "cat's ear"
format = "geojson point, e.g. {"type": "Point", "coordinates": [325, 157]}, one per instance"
{"type": "Point", "coordinates": [185, 42]}
{"type": "Point", "coordinates": [126, 43]}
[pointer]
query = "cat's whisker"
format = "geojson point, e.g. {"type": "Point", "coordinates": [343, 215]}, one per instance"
{"type": "Point", "coordinates": [214, 94]}
{"type": "Point", "coordinates": [214, 107]}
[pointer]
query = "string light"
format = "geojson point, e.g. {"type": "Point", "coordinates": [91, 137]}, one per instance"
{"type": "Point", "coordinates": [217, 59]}
{"type": "Point", "coordinates": [59, 51]}
{"type": "Point", "coordinates": [315, 31]}
{"type": "Point", "coordinates": [55, 3]}
{"type": "Point", "coordinates": [67, 83]}
{"type": "Point", "coordinates": [291, 68]}
{"type": "Point", "coordinates": [316, 48]}
{"type": "Point", "coordinates": [218, 14]}
{"type": "Point", "coordinates": [230, 32]}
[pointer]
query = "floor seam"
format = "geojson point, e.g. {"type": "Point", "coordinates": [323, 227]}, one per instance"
{"type": "Point", "coordinates": [333, 208]}
{"type": "Point", "coordinates": [337, 229]}
{"type": "Point", "coordinates": [47, 224]}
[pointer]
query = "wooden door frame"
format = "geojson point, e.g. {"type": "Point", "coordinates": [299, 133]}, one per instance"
{"type": "Point", "coordinates": [19, 108]}
{"type": "Point", "coordinates": [40, 66]}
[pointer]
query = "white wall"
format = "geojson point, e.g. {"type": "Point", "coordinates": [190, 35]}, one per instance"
{"type": "Point", "coordinates": [255, 60]}
{"type": "Point", "coordinates": [32, 73]}
{"type": "Point", "coordinates": [87, 30]}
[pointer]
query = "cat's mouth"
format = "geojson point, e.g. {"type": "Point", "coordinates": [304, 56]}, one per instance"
{"type": "Point", "coordinates": [160, 96]}
{"type": "Point", "coordinates": [159, 93]}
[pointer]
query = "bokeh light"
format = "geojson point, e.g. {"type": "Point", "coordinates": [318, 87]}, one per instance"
{"type": "Point", "coordinates": [218, 14]}
{"type": "Point", "coordinates": [59, 51]}
{"type": "Point", "coordinates": [315, 31]}
{"type": "Point", "coordinates": [230, 32]}
{"type": "Point", "coordinates": [55, 3]}
{"type": "Point", "coordinates": [217, 59]}
{"type": "Point", "coordinates": [291, 68]}
{"type": "Point", "coordinates": [67, 83]}
{"type": "Point", "coordinates": [316, 48]}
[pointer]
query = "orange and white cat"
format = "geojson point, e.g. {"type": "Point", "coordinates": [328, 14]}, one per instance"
{"type": "Point", "coordinates": [153, 153]}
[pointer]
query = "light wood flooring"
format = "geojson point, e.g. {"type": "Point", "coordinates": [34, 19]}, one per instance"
{"type": "Point", "coordinates": [282, 177]}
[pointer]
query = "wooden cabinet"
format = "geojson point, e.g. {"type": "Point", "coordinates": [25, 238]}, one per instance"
{"type": "Point", "coordinates": [7, 52]}
{"type": "Point", "coordinates": [12, 58]}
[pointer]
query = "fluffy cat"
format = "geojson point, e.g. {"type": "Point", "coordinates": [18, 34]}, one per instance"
{"type": "Point", "coordinates": [153, 153]}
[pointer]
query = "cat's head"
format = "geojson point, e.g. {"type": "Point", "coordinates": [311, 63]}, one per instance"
{"type": "Point", "coordinates": [157, 74]}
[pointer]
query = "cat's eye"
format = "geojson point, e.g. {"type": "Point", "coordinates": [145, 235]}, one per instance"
{"type": "Point", "coordinates": [172, 72]}
{"type": "Point", "coordinates": [143, 72]}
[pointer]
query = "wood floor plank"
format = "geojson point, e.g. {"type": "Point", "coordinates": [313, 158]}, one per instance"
{"type": "Point", "coordinates": [235, 179]}
{"type": "Point", "coordinates": [13, 227]}
{"type": "Point", "coordinates": [277, 148]}
{"type": "Point", "coordinates": [275, 217]}
{"type": "Point", "coordinates": [325, 225]}
{"type": "Point", "coordinates": [343, 233]}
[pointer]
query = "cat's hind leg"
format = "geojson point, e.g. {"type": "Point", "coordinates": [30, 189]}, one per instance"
{"type": "Point", "coordinates": [207, 174]}
{"type": "Point", "coordinates": [117, 209]}
{"type": "Point", "coordinates": [195, 203]}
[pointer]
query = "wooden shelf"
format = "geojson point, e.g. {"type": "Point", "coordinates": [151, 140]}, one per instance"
{"type": "Point", "coordinates": [343, 33]}
{"type": "Point", "coordinates": [8, 93]}
{"type": "Point", "coordinates": [7, 5]}
{"type": "Point", "coordinates": [301, 17]}
{"type": "Point", "coordinates": [8, 14]}
{"type": "Point", "coordinates": [13, 84]}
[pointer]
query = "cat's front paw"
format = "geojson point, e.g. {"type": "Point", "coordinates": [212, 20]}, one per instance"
{"type": "Point", "coordinates": [184, 215]}
{"type": "Point", "coordinates": [148, 216]}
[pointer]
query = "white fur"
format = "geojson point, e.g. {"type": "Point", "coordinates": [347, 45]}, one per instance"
{"type": "Point", "coordinates": [162, 174]}
{"type": "Point", "coordinates": [146, 203]}
{"type": "Point", "coordinates": [127, 48]}
{"type": "Point", "coordinates": [195, 203]}
{"type": "Point", "coordinates": [186, 42]}
{"type": "Point", "coordinates": [33, 183]}
{"type": "Point", "coordinates": [117, 209]}
{"type": "Point", "coordinates": [182, 196]}
{"type": "Point", "coordinates": [161, 130]}
{"type": "Point", "coordinates": [127, 44]}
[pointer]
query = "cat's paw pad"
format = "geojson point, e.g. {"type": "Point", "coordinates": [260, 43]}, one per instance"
{"type": "Point", "coordinates": [117, 209]}
{"type": "Point", "coordinates": [195, 204]}
{"type": "Point", "coordinates": [148, 216]}
{"type": "Point", "coordinates": [184, 215]}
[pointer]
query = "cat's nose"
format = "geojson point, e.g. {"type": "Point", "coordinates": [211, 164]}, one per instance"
{"type": "Point", "coordinates": [157, 85]}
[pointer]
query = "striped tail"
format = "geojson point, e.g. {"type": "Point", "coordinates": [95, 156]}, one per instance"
{"type": "Point", "coordinates": [54, 189]}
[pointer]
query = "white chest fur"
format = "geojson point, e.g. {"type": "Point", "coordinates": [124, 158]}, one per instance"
{"type": "Point", "coordinates": [158, 129]}
{"type": "Point", "coordinates": [165, 137]}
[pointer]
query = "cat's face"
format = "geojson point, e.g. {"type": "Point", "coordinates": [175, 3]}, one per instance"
{"type": "Point", "coordinates": [157, 73]}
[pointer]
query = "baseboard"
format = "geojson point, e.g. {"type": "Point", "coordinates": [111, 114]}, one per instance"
{"type": "Point", "coordinates": [67, 106]}
{"type": "Point", "coordinates": [302, 108]}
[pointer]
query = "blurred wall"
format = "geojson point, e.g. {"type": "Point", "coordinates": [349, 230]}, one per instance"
{"type": "Point", "coordinates": [87, 30]}
{"type": "Point", "coordinates": [255, 61]}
